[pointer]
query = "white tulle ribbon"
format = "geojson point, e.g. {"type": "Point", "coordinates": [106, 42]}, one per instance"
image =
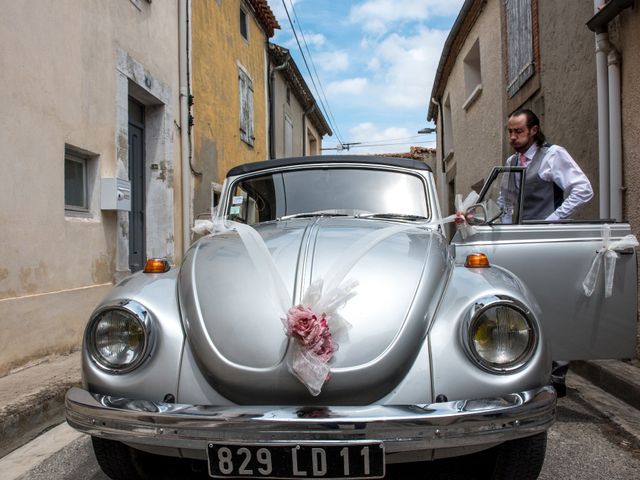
{"type": "Point", "coordinates": [459, 217]}
{"type": "Point", "coordinates": [202, 226]}
{"type": "Point", "coordinates": [607, 255]}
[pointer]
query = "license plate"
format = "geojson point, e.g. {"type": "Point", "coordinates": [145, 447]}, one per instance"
{"type": "Point", "coordinates": [353, 460]}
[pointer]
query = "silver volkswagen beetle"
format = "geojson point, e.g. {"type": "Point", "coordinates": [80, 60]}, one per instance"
{"type": "Point", "coordinates": [326, 328]}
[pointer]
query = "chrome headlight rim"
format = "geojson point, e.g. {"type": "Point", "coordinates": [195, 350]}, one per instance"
{"type": "Point", "coordinates": [481, 306]}
{"type": "Point", "coordinates": [141, 315]}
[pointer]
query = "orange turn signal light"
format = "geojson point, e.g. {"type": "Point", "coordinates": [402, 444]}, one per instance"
{"type": "Point", "coordinates": [156, 265]}
{"type": "Point", "coordinates": [477, 260]}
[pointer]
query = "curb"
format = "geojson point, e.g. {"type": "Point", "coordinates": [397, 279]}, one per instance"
{"type": "Point", "coordinates": [32, 400]}
{"type": "Point", "coordinates": [626, 419]}
{"type": "Point", "coordinates": [620, 379]}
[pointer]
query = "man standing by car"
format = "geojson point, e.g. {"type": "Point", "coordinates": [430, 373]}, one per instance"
{"type": "Point", "coordinates": [555, 186]}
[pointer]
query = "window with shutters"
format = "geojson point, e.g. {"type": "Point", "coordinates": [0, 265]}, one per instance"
{"type": "Point", "coordinates": [520, 55]}
{"type": "Point", "coordinates": [246, 107]}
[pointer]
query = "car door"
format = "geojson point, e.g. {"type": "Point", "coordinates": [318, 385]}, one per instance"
{"type": "Point", "coordinates": [553, 259]}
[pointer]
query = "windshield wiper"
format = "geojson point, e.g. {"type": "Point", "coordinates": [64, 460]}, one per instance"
{"type": "Point", "coordinates": [312, 214]}
{"type": "Point", "coordinates": [402, 216]}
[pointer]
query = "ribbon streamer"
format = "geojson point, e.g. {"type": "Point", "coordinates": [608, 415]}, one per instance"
{"type": "Point", "coordinates": [459, 218]}
{"type": "Point", "coordinates": [607, 255]}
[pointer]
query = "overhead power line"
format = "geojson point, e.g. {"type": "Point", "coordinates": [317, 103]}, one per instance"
{"type": "Point", "coordinates": [325, 109]}
{"type": "Point", "coordinates": [368, 145]}
{"type": "Point", "coordinates": [324, 96]}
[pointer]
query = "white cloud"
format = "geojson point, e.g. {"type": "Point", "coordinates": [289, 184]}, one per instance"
{"type": "Point", "coordinates": [400, 71]}
{"type": "Point", "coordinates": [349, 86]}
{"type": "Point", "coordinates": [376, 16]}
{"type": "Point", "coordinates": [407, 67]}
{"type": "Point", "coordinates": [337, 61]}
{"type": "Point", "coordinates": [315, 39]}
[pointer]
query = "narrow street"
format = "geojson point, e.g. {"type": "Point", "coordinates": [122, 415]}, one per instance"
{"type": "Point", "coordinates": [583, 444]}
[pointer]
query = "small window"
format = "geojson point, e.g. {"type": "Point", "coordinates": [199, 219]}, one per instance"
{"type": "Point", "coordinates": [246, 107]}
{"type": "Point", "coordinates": [75, 181]}
{"type": "Point", "coordinates": [472, 75]}
{"type": "Point", "coordinates": [244, 30]}
{"type": "Point", "coordinates": [447, 146]}
{"type": "Point", "coordinates": [80, 176]}
{"type": "Point", "coordinates": [288, 96]}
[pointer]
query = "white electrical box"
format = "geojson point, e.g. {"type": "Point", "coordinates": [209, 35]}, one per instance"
{"type": "Point", "coordinates": [115, 194]}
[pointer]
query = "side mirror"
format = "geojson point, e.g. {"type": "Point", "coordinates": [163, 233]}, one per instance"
{"type": "Point", "coordinates": [476, 215]}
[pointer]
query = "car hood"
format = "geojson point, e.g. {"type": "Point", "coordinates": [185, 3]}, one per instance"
{"type": "Point", "coordinates": [235, 325]}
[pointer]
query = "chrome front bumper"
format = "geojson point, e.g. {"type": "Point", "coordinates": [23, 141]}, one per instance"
{"type": "Point", "coordinates": [402, 428]}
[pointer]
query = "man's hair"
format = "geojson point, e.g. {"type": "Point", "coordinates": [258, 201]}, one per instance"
{"type": "Point", "coordinates": [532, 120]}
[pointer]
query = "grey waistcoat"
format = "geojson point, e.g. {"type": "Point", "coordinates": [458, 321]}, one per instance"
{"type": "Point", "coordinates": [541, 198]}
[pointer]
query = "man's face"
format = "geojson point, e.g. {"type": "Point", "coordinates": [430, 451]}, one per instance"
{"type": "Point", "coordinates": [521, 137]}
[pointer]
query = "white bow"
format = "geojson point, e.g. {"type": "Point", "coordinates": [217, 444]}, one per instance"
{"type": "Point", "coordinates": [459, 218]}
{"type": "Point", "coordinates": [608, 255]}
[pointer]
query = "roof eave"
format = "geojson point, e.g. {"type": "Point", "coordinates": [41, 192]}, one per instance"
{"type": "Point", "coordinates": [440, 79]}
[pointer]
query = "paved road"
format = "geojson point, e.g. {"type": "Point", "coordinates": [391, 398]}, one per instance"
{"type": "Point", "coordinates": [583, 444]}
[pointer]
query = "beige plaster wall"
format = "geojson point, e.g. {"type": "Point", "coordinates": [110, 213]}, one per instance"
{"type": "Point", "coordinates": [58, 86]}
{"type": "Point", "coordinates": [629, 47]}
{"type": "Point", "coordinates": [477, 131]}
{"type": "Point", "coordinates": [294, 110]}
{"type": "Point", "coordinates": [566, 102]}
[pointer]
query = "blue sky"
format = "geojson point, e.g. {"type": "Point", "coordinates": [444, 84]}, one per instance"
{"type": "Point", "coordinates": [375, 60]}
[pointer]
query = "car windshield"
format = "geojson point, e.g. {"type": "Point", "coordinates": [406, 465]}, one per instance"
{"type": "Point", "coordinates": [363, 192]}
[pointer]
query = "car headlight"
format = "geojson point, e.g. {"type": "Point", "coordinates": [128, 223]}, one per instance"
{"type": "Point", "coordinates": [119, 336]}
{"type": "Point", "coordinates": [501, 334]}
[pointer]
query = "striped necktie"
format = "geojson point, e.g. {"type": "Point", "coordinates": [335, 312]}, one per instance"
{"type": "Point", "coordinates": [523, 160]}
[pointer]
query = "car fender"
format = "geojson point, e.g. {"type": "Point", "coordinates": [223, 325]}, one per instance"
{"type": "Point", "coordinates": [455, 375]}
{"type": "Point", "coordinates": [157, 375]}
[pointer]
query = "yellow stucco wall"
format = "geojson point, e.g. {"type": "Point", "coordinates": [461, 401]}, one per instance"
{"type": "Point", "coordinates": [218, 52]}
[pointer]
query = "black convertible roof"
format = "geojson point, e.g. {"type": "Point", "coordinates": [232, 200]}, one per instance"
{"type": "Point", "coordinates": [333, 159]}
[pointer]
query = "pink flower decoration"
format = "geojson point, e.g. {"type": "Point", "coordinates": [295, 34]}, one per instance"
{"type": "Point", "coordinates": [311, 331]}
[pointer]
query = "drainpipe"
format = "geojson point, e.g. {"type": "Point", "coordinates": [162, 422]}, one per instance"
{"type": "Point", "coordinates": [603, 46]}
{"type": "Point", "coordinates": [615, 135]}
{"type": "Point", "coordinates": [183, 43]}
{"type": "Point", "coordinates": [443, 172]}
{"type": "Point", "coordinates": [304, 128]}
{"type": "Point", "coordinates": [609, 108]}
{"type": "Point", "coordinates": [272, 108]}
